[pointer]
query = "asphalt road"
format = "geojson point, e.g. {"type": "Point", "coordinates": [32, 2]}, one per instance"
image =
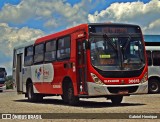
{"type": "Point", "coordinates": [11, 102]}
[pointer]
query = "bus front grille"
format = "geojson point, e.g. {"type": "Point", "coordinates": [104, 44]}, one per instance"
{"type": "Point", "coordinates": [130, 89]}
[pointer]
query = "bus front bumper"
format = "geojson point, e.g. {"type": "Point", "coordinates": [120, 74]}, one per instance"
{"type": "Point", "coordinates": [102, 90]}
{"type": "Point", "coordinates": [2, 87]}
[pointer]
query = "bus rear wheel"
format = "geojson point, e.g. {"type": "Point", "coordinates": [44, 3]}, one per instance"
{"type": "Point", "coordinates": [153, 86]}
{"type": "Point", "coordinates": [116, 100]}
{"type": "Point", "coordinates": [32, 97]}
{"type": "Point", "coordinates": [68, 95]}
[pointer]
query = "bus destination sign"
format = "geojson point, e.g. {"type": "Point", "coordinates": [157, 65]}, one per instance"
{"type": "Point", "coordinates": [114, 30]}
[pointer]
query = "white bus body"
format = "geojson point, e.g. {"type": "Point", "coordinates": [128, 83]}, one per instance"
{"type": "Point", "coordinates": [18, 67]}
{"type": "Point", "coordinates": [153, 54]}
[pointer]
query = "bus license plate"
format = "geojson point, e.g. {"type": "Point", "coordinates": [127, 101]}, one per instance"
{"type": "Point", "coordinates": [123, 92]}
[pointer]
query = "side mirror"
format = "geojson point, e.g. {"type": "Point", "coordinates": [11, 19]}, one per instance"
{"type": "Point", "coordinates": [5, 73]}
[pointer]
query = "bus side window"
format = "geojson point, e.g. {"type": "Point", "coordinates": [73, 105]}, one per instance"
{"type": "Point", "coordinates": [64, 48]}
{"type": "Point", "coordinates": [39, 53]}
{"type": "Point", "coordinates": [149, 58]}
{"type": "Point", "coordinates": [28, 59]}
{"type": "Point", "coordinates": [50, 52]}
{"type": "Point", "coordinates": [156, 58]}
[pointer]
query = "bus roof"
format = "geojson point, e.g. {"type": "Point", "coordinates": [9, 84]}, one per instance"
{"type": "Point", "coordinates": [152, 38]}
{"type": "Point", "coordinates": [76, 28]}
{"type": "Point", "coordinates": [107, 23]}
{"type": "Point", "coordinates": [66, 32]}
{"type": "Point", "coordinates": [61, 33]}
{"type": "Point", "coordinates": [24, 45]}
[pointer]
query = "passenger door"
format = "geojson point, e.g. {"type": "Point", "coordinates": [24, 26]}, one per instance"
{"type": "Point", "coordinates": [81, 65]}
{"type": "Point", "coordinates": [18, 69]}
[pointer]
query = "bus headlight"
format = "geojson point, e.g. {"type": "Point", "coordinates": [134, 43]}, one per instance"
{"type": "Point", "coordinates": [96, 79]}
{"type": "Point", "coordinates": [145, 78]}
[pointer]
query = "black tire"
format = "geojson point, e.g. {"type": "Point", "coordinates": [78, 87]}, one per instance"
{"type": "Point", "coordinates": [65, 94]}
{"type": "Point", "coordinates": [116, 100]}
{"type": "Point", "coordinates": [32, 97]}
{"type": "Point", "coordinates": [64, 98]}
{"type": "Point", "coordinates": [1, 90]}
{"type": "Point", "coordinates": [68, 95]}
{"type": "Point", "coordinates": [153, 86]}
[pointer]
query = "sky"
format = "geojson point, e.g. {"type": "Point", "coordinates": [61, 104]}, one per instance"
{"type": "Point", "coordinates": [25, 20]}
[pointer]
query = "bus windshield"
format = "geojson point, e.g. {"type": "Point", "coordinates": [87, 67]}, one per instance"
{"type": "Point", "coordinates": [117, 52]}
{"type": "Point", "coordinates": [2, 72]}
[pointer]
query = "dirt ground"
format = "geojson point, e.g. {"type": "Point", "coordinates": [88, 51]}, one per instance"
{"type": "Point", "coordinates": [88, 109]}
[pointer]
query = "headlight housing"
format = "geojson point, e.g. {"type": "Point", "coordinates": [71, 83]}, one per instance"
{"type": "Point", "coordinates": [145, 78]}
{"type": "Point", "coordinates": [96, 79]}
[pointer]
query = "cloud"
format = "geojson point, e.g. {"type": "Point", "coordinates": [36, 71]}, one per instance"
{"type": "Point", "coordinates": [153, 27]}
{"type": "Point", "coordinates": [11, 36]}
{"type": "Point", "coordinates": [129, 12]}
{"type": "Point", "coordinates": [54, 13]}
{"type": "Point", "coordinates": [51, 23]}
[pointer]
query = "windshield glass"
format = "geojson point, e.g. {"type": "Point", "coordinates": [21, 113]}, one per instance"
{"type": "Point", "coordinates": [103, 53]}
{"type": "Point", "coordinates": [117, 53]}
{"type": "Point", "coordinates": [2, 72]}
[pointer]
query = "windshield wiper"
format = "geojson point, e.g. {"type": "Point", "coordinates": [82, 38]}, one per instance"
{"type": "Point", "coordinates": [126, 45]}
{"type": "Point", "coordinates": [109, 41]}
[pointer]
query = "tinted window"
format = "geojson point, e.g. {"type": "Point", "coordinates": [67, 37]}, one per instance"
{"type": "Point", "coordinates": [39, 50]}
{"type": "Point", "coordinates": [28, 59]}
{"type": "Point", "coordinates": [50, 53]}
{"type": "Point", "coordinates": [149, 58]}
{"type": "Point", "coordinates": [63, 51]}
{"type": "Point", "coordinates": [2, 72]}
{"type": "Point", "coordinates": [50, 46]}
{"type": "Point", "coordinates": [29, 51]}
{"type": "Point", "coordinates": [156, 58]}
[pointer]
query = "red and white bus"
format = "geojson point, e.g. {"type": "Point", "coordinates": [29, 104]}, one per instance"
{"type": "Point", "coordinates": [89, 60]}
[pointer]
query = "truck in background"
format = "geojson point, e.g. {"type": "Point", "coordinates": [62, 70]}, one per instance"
{"type": "Point", "coordinates": [3, 74]}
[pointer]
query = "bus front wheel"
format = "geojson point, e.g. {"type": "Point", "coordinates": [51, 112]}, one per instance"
{"type": "Point", "coordinates": [153, 86]}
{"type": "Point", "coordinates": [68, 95]}
{"type": "Point", "coordinates": [116, 100]}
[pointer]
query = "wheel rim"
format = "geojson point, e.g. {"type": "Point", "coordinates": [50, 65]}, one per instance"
{"type": "Point", "coordinates": [154, 87]}
{"type": "Point", "coordinates": [69, 93]}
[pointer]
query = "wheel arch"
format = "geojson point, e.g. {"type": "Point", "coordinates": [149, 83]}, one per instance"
{"type": "Point", "coordinates": [150, 80]}
{"type": "Point", "coordinates": [29, 80]}
{"type": "Point", "coordinates": [66, 80]}
{"type": "Point", "coordinates": [154, 77]}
